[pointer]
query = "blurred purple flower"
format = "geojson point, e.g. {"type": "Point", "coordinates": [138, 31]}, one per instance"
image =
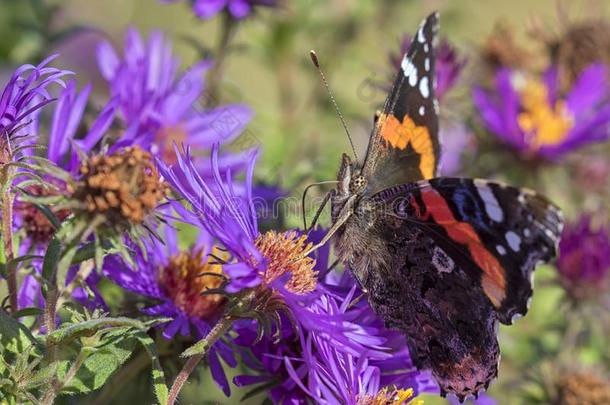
{"type": "Point", "coordinates": [529, 114]}
{"type": "Point", "coordinates": [66, 120]}
{"type": "Point", "coordinates": [584, 258]}
{"type": "Point", "coordinates": [238, 9]}
{"type": "Point", "coordinates": [456, 138]}
{"type": "Point", "coordinates": [159, 108]}
{"type": "Point", "coordinates": [174, 277]}
{"type": "Point", "coordinates": [448, 64]}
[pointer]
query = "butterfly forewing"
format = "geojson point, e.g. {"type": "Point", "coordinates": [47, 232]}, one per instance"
{"type": "Point", "coordinates": [404, 146]}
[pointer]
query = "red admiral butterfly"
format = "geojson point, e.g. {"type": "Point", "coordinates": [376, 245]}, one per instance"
{"type": "Point", "coordinates": [442, 259]}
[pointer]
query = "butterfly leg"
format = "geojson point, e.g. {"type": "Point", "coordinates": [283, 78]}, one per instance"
{"type": "Point", "coordinates": [325, 201]}
{"type": "Point", "coordinates": [344, 215]}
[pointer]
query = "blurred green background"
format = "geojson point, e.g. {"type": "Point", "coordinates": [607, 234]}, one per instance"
{"type": "Point", "coordinates": [301, 138]}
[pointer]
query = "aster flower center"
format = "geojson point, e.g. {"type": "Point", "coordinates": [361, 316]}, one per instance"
{"type": "Point", "coordinates": [390, 396]}
{"type": "Point", "coordinates": [165, 139]}
{"type": "Point", "coordinates": [548, 124]}
{"type": "Point", "coordinates": [284, 254]}
{"type": "Point", "coordinates": [189, 274]}
{"type": "Point", "coordinates": [123, 186]}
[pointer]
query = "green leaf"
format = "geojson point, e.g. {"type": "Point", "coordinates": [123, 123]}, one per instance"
{"type": "Point", "coordinates": [31, 311]}
{"type": "Point", "coordinates": [23, 258]}
{"type": "Point", "coordinates": [85, 252]}
{"type": "Point", "coordinates": [51, 258]}
{"type": "Point", "coordinates": [98, 367]}
{"type": "Point", "coordinates": [99, 254]}
{"type": "Point", "coordinates": [14, 337]}
{"type": "Point", "coordinates": [70, 332]}
{"type": "Point", "coordinates": [158, 376]}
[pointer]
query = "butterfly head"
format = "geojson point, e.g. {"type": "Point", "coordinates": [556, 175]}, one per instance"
{"type": "Point", "coordinates": [350, 181]}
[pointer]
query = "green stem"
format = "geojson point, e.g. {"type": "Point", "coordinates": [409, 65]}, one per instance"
{"type": "Point", "coordinates": [227, 30]}
{"type": "Point", "coordinates": [216, 333]}
{"type": "Point", "coordinates": [56, 385]}
{"type": "Point", "coordinates": [7, 235]}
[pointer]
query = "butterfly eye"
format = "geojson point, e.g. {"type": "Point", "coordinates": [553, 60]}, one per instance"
{"type": "Point", "coordinates": [358, 184]}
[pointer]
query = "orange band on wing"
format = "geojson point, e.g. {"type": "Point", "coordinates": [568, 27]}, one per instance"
{"type": "Point", "coordinates": [493, 279]}
{"type": "Point", "coordinates": [400, 134]}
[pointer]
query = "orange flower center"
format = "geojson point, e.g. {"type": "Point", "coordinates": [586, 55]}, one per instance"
{"type": "Point", "coordinates": [165, 139]}
{"type": "Point", "coordinates": [284, 254]}
{"type": "Point", "coordinates": [184, 279]}
{"type": "Point", "coordinates": [548, 124]}
{"type": "Point", "coordinates": [390, 396]}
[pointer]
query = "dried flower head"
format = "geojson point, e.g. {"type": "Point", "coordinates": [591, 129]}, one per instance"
{"type": "Point", "coordinates": [124, 186]}
{"type": "Point", "coordinates": [501, 50]}
{"type": "Point", "coordinates": [580, 45]}
{"type": "Point", "coordinates": [32, 220]}
{"type": "Point", "coordinates": [582, 388]}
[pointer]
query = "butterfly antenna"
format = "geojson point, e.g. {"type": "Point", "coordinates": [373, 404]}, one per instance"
{"type": "Point", "coordinates": [314, 59]}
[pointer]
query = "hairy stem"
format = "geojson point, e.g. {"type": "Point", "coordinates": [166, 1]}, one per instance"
{"type": "Point", "coordinates": [216, 333]}
{"type": "Point", "coordinates": [7, 235]}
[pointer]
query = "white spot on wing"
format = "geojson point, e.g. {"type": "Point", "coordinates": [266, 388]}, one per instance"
{"type": "Point", "coordinates": [501, 249]}
{"type": "Point", "coordinates": [422, 110]}
{"type": "Point", "coordinates": [492, 206]}
{"type": "Point", "coordinates": [426, 48]}
{"type": "Point", "coordinates": [527, 233]}
{"type": "Point", "coordinates": [424, 87]}
{"type": "Point", "coordinates": [409, 70]}
{"type": "Point", "coordinates": [514, 241]}
{"type": "Point", "coordinates": [427, 64]}
{"type": "Point", "coordinates": [441, 262]}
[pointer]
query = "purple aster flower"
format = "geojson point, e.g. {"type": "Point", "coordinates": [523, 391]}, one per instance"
{"type": "Point", "coordinates": [448, 64]}
{"type": "Point", "coordinates": [584, 258]}
{"type": "Point", "coordinates": [530, 115]}
{"type": "Point", "coordinates": [159, 108]}
{"type": "Point", "coordinates": [24, 95]}
{"type": "Point", "coordinates": [238, 9]}
{"type": "Point", "coordinates": [230, 217]}
{"type": "Point", "coordinates": [356, 362]}
{"type": "Point", "coordinates": [175, 279]}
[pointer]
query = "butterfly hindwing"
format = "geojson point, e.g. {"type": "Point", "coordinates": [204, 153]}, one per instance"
{"type": "Point", "coordinates": [404, 144]}
{"type": "Point", "coordinates": [415, 287]}
{"type": "Point", "coordinates": [497, 233]}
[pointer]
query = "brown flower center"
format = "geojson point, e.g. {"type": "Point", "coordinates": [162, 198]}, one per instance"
{"type": "Point", "coordinates": [284, 254]}
{"type": "Point", "coordinates": [123, 186]}
{"type": "Point", "coordinates": [184, 280]}
{"type": "Point", "coordinates": [37, 226]}
{"type": "Point", "coordinates": [583, 388]}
